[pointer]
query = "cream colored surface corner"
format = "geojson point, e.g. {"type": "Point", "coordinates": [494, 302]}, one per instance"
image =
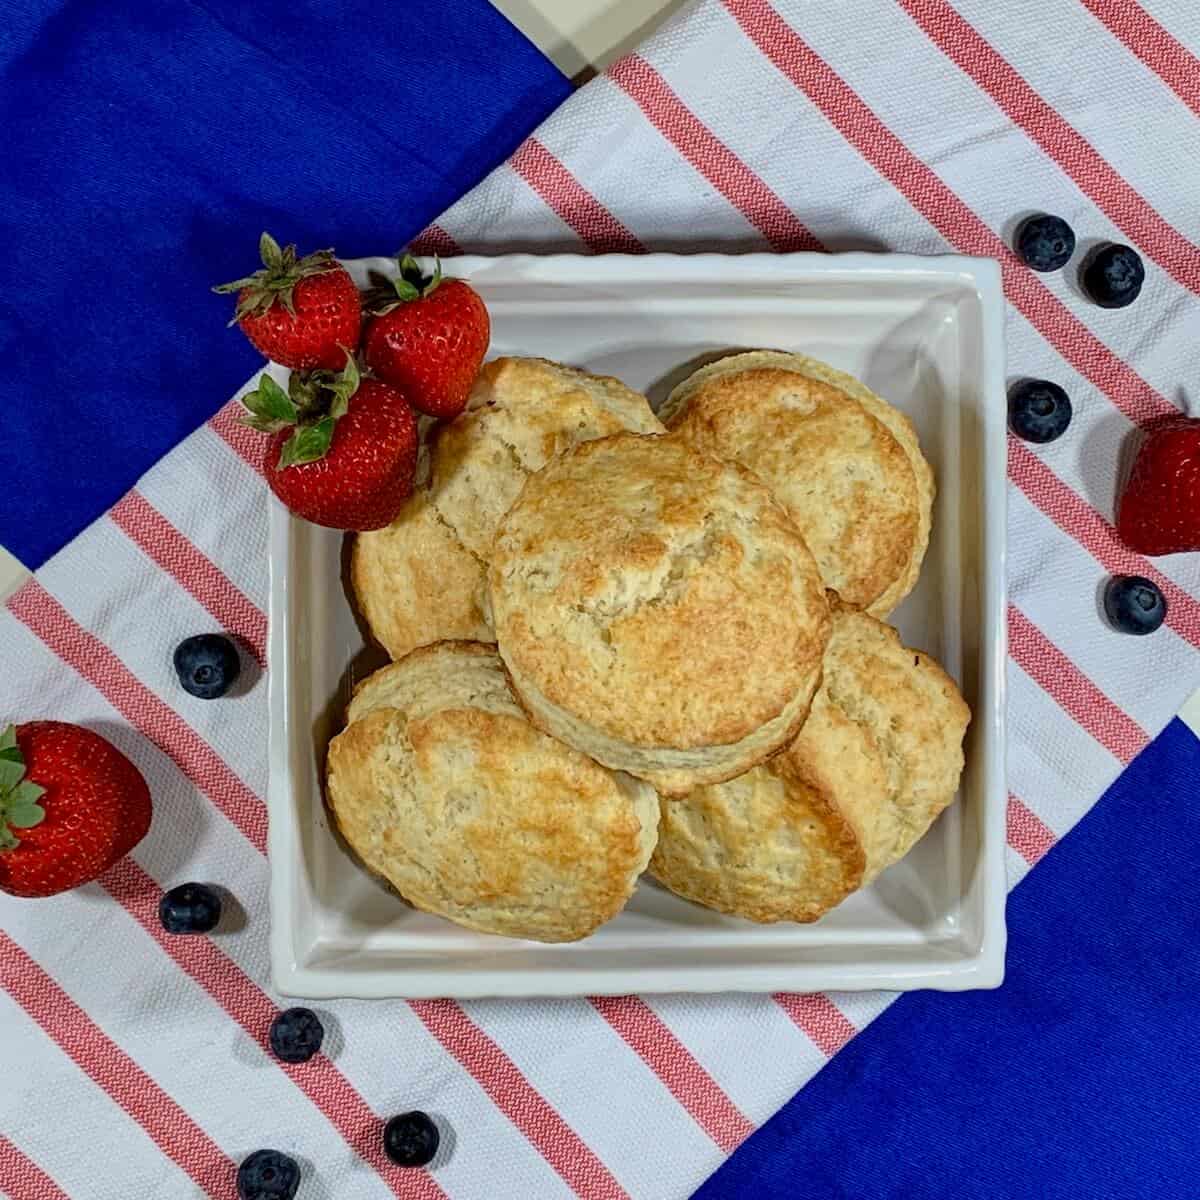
{"type": "Point", "coordinates": [1189, 714]}
{"type": "Point", "coordinates": [581, 37]}
{"type": "Point", "coordinates": [12, 574]}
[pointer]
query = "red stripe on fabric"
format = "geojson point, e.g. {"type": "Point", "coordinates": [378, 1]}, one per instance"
{"type": "Point", "coordinates": [522, 1104]}
{"type": "Point", "coordinates": [575, 206]}
{"type": "Point", "coordinates": [22, 1179]}
{"type": "Point", "coordinates": [483, 1060]}
{"type": "Point", "coordinates": [163, 544]}
{"type": "Point", "coordinates": [107, 1065]}
{"type": "Point", "coordinates": [247, 443]}
{"type": "Point", "coordinates": [1074, 516]}
{"type": "Point", "coordinates": [94, 661]}
{"type": "Point", "coordinates": [251, 1008]}
{"type": "Point", "coordinates": [1120, 202]}
{"type": "Point", "coordinates": [45, 617]}
{"type": "Point", "coordinates": [945, 211]}
{"type": "Point", "coordinates": [677, 1069]}
{"type": "Point", "coordinates": [826, 1026]}
{"type": "Point", "coordinates": [762, 207]}
{"type": "Point", "coordinates": [1072, 690]}
{"type": "Point", "coordinates": [434, 240]}
{"type": "Point", "coordinates": [99, 666]}
{"type": "Point", "coordinates": [1028, 834]}
{"type": "Point", "coordinates": [1169, 59]}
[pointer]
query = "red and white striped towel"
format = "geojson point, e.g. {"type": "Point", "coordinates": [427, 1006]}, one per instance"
{"type": "Point", "coordinates": [912, 126]}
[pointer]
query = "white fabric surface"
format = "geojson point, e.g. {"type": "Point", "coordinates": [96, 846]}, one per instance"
{"type": "Point", "coordinates": [700, 141]}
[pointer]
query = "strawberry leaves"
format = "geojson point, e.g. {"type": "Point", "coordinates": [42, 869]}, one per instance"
{"type": "Point", "coordinates": [270, 253]}
{"type": "Point", "coordinates": [338, 386]}
{"type": "Point", "coordinates": [410, 284]}
{"type": "Point", "coordinates": [271, 408]}
{"type": "Point", "coordinates": [307, 444]}
{"type": "Point", "coordinates": [313, 403]}
{"type": "Point", "coordinates": [281, 271]}
{"type": "Point", "coordinates": [19, 807]}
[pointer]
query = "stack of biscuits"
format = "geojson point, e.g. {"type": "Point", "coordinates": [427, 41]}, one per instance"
{"type": "Point", "coordinates": [623, 645]}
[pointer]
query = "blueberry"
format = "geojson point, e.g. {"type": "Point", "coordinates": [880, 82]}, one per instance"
{"type": "Point", "coordinates": [207, 665]}
{"type": "Point", "coordinates": [411, 1139]}
{"type": "Point", "coordinates": [189, 908]}
{"type": "Point", "coordinates": [1038, 410]}
{"type": "Point", "coordinates": [1113, 276]}
{"type": "Point", "coordinates": [268, 1175]}
{"type": "Point", "coordinates": [1134, 604]}
{"type": "Point", "coordinates": [1045, 243]}
{"type": "Point", "coordinates": [296, 1035]}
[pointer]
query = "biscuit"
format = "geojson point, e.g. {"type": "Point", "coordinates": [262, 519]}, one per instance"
{"type": "Point", "coordinates": [422, 579]}
{"type": "Point", "coordinates": [657, 609]}
{"type": "Point", "coordinates": [877, 760]}
{"type": "Point", "coordinates": [840, 459]}
{"type": "Point", "coordinates": [766, 846]}
{"type": "Point", "coordinates": [442, 787]}
{"type": "Point", "coordinates": [879, 693]}
{"type": "Point", "coordinates": [415, 581]}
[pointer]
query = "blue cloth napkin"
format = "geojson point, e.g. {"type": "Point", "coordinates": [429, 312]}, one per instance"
{"type": "Point", "coordinates": [148, 145]}
{"type": "Point", "coordinates": [1075, 1079]}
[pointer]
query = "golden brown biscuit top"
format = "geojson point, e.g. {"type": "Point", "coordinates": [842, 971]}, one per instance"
{"type": "Point", "coordinates": [415, 582]}
{"type": "Point", "coordinates": [841, 760]}
{"type": "Point", "coordinates": [885, 715]}
{"type": "Point", "coordinates": [767, 846]}
{"type": "Point", "coordinates": [657, 593]}
{"type": "Point", "coordinates": [449, 674]}
{"type": "Point", "coordinates": [421, 579]}
{"type": "Point", "coordinates": [522, 412]}
{"type": "Point", "coordinates": [443, 787]}
{"type": "Point", "coordinates": [835, 467]}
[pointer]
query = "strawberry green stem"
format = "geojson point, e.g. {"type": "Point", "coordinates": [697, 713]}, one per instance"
{"type": "Point", "coordinates": [410, 283]}
{"type": "Point", "coordinates": [281, 271]}
{"type": "Point", "coordinates": [314, 402]}
{"type": "Point", "coordinates": [19, 807]}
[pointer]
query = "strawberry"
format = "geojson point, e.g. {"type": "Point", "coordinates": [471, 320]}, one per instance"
{"type": "Point", "coordinates": [1160, 509]}
{"type": "Point", "coordinates": [302, 313]}
{"type": "Point", "coordinates": [71, 805]}
{"type": "Point", "coordinates": [344, 449]}
{"type": "Point", "coordinates": [427, 336]}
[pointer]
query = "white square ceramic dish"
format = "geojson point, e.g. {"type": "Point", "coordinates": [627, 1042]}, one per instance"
{"type": "Point", "coordinates": [927, 334]}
